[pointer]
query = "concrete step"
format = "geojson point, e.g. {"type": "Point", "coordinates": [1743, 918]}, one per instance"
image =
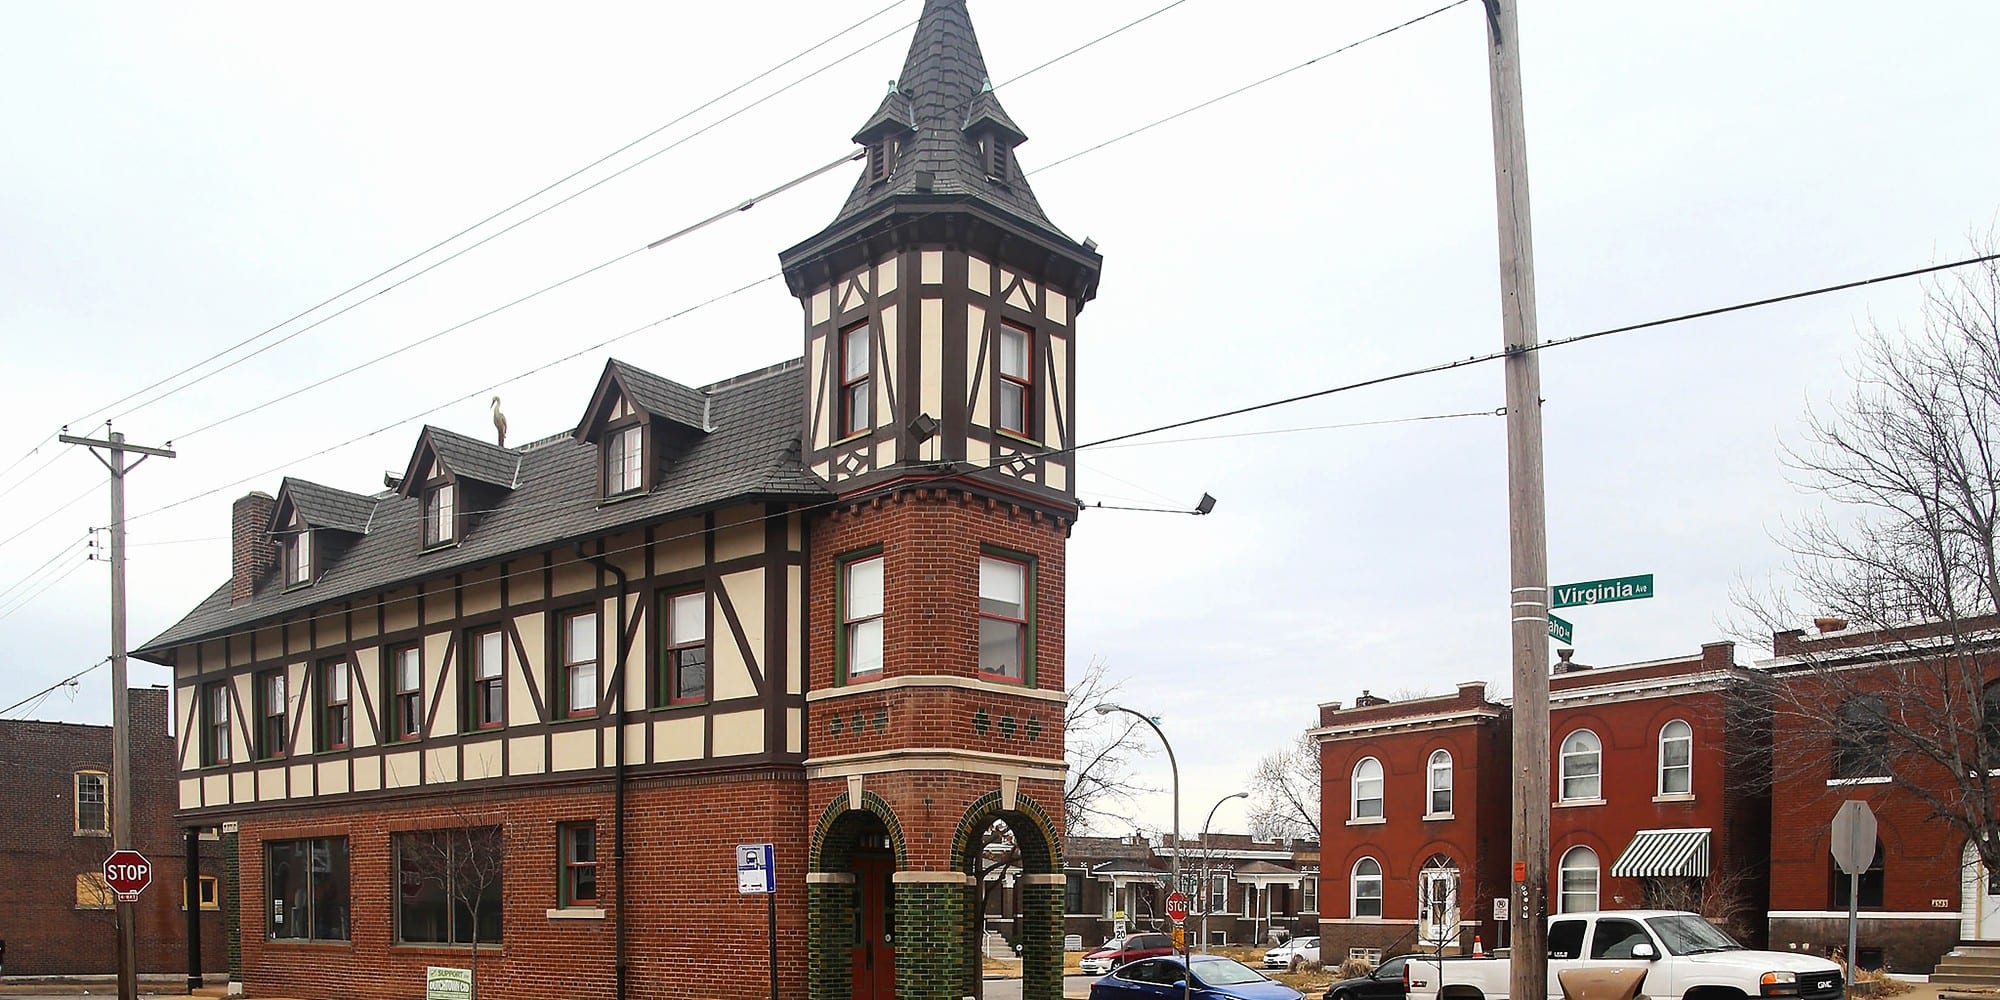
{"type": "Point", "coordinates": [1962, 963]}
{"type": "Point", "coordinates": [1978, 950]}
{"type": "Point", "coordinates": [1961, 979]}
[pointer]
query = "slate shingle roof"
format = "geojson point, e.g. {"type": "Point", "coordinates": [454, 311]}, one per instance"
{"type": "Point", "coordinates": [326, 507]}
{"type": "Point", "coordinates": [663, 397]}
{"type": "Point", "coordinates": [943, 89]}
{"type": "Point", "coordinates": [752, 453]}
{"type": "Point", "coordinates": [471, 458]}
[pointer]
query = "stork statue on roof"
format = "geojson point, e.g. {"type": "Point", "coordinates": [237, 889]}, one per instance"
{"type": "Point", "coordinates": [499, 422]}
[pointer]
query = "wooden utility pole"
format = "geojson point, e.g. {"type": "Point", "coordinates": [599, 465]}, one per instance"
{"type": "Point", "coordinates": [121, 709]}
{"type": "Point", "coordinates": [1526, 517]}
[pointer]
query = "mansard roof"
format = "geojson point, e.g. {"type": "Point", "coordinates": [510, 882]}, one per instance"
{"type": "Point", "coordinates": [752, 454]}
{"type": "Point", "coordinates": [943, 94]}
{"type": "Point", "coordinates": [325, 507]}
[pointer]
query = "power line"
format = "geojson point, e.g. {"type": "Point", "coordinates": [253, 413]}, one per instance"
{"type": "Point", "coordinates": [71, 679]}
{"type": "Point", "coordinates": [37, 571]}
{"type": "Point", "coordinates": [449, 239]}
{"type": "Point", "coordinates": [38, 522]}
{"type": "Point", "coordinates": [30, 453]}
{"type": "Point", "coordinates": [29, 597]}
{"type": "Point", "coordinates": [1497, 412]}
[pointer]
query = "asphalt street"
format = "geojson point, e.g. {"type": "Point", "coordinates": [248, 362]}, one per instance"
{"type": "Point", "coordinates": [1010, 989]}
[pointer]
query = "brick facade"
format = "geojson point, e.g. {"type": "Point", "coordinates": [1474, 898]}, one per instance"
{"type": "Point", "coordinates": [1264, 886]}
{"type": "Point", "coordinates": [41, 852]}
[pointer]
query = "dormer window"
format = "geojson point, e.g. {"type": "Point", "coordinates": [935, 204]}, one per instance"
{"type": "Point", "coordinates": [625, 461]}
{"type": "Point", "coordinates": [440, 515]}
{"type": "Point", "coordinates": [855, 390]}
{"type": "Point", "coordinates": [298, 551]}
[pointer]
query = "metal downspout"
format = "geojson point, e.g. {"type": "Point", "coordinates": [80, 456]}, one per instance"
{"type": "Point", "coordinates": [617, 771]}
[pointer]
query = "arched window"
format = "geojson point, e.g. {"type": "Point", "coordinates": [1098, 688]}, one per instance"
{"type": "Point", "coordinates": [1582, 767]}
{"type": "Point", "coordinates": [1676, 758]}
{"type": "Point", "coordinates": [1577, 881]}
{"type": "Point", "coordinates": [1367, 790]}
{"type": "Point", "coordinates": [1861, 741]}
{"type": "Point", "coordinates": [1439, 801]}
{"type": "Point", "coordinates": [1366, 884]}
{"type": "Point", "coordinates": [1437, 899]}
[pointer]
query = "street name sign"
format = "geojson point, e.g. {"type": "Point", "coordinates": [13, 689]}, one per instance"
{"type": "Point", "coordinates": [1619, 588]}
{"type": "Point", "coordinates": [755, 872]}
{"type": "Point", "coordinates": [127, 873]}
{"type": "Point", "coordinates": [1561, 631]}
{"type": "Point", "coordinates": [1177, 906]}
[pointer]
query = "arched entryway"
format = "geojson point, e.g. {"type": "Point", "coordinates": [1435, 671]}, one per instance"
{"type": "Point", "coordinates": [1011, 853]}
{"type": "Point", "coordinates": [851, 900]}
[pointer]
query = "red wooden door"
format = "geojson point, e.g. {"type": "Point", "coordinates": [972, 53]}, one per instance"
{"type": "Point", "coordinates": [874, 928]}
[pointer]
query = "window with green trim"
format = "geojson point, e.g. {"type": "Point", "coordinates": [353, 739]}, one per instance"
{"type": "Point", "coordinates": [1003, 618]}
{"type": "Point", "coordinates": [861, 617]}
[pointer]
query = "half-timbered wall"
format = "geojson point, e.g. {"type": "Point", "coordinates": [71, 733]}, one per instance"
{"type": "Point", "coordinates": [936, 315]}
{"type": "Point", "coordinates": [748, 560]}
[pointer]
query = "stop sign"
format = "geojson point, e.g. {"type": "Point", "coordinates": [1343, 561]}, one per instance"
{"type": "Point", "coordinates": [1177, 906]}
{"type": "Point", "coordinates": [127, 873]}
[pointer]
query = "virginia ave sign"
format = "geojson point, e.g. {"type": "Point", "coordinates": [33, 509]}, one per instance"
{"type": "Point", "coordinates": [1619, 588]}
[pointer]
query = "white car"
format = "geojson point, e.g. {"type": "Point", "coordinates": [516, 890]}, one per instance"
{"type": "Point", "coordinates": [1298, 949]}
{"type": "Point", "coordinates": [1683, 955]}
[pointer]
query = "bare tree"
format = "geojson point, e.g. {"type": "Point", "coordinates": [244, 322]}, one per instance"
{"type": "Point", "coordinates": [466, 865]}
{"type": "Point", "coordinates": [1284, 792]}
{"type": "Point", "coordinates": [1099, 750]}
{"type": "Point", "coordinates": [1907, 554]}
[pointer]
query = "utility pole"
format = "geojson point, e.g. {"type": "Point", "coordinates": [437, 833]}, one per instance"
{"type": "Point", "coordinates": [121, 709]}
{"type": "Point", "coordinates": [1526, 517]}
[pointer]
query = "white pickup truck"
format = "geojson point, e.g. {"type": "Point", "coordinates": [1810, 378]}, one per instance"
{"type": "Point", "coordinates": [1685, 958]}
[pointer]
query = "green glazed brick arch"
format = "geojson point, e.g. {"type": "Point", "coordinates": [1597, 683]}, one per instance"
{"type": "Point", "coordinates": [1039, 855]}
{"type": "Point", "coordinates": [831, 855]}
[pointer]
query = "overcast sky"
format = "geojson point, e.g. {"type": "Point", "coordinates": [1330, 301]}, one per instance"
{"type": "Point", "coordinates": [179, 177]}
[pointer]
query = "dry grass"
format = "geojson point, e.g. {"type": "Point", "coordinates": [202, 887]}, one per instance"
{"type": "Point", "coordinates": [1009, 967]}
{"type": "Point", "coordinates": [1883, 984]}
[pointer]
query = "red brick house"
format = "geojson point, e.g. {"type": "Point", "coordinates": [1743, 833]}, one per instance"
{"type": "Point", "coordinates": [55, 912]}
{"type": "Point", "coordinates": [1926, 892]}
{"type": "Point", "coordinates": [1250, 890]}
{"type": "Point", "coordinates": [1654, 787]}
{"type": "Point", "coordinates": [819, 605]}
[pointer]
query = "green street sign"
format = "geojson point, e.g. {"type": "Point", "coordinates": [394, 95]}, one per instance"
{"type": "Point", "coordinates": [1621, 588]}
{"type": "Point", "coordinates": [1561, 631]}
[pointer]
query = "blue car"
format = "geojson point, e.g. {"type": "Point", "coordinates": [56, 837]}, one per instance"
{"type": "Point", "coordinates": [1215, 978]}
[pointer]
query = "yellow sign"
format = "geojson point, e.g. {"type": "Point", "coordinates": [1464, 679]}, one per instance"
{"type": "Point", "coordinates": [1180, 939]}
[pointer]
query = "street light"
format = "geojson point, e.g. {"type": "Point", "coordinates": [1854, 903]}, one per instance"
{"type": "Point", "coordinates": [1208, 903]}
{"type": "Point", "coordinates": [1106, 708]}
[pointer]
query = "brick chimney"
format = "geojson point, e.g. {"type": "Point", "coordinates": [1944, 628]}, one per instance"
{"type": "Point", "coordinates": [251, 550]}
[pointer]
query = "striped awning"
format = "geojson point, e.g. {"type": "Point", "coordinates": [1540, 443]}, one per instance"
{"type": "Point", "coordinates": [1665, 854]}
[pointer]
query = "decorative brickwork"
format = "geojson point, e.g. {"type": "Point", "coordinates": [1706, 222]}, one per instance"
{"type": "Point", "coordinates": [931, 931]}
{"type": "Point", "coordinates": [830, 928]}
{"type": "Point", "coordinates": [832, 852]}
{"type": "Point", "coordinates": [1041, 942]}
{"type": "Point", "coordinates": [232, 914]}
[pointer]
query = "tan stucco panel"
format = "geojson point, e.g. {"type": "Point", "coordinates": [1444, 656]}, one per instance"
{"type": "Point", "coordinates": [739, 733]}
{"type": "Point", "coordinates": [739, 532]}
{"type": "Point", "coordinates": [886, 369]}
{"type": "Point", "coordinates": [1056, 475]}
{"type": "Point", "coordinates": [524, 581]}
{"type": "Point", "coordinates": [482, 592]}
{"type": "Point", "coordinates": [270, 784]}
{"type": "Point", "coordinates": [400, 613]}
{"type": "Point", "coordinates": [305, 779]}
{"type": "Point", "coordinates": [362, 620]}
{"type": "Point", "coordinates": [978, 275]}
{"type": "Point", "coordinates": [367, 775]}
{"type": "Point", "coordinates": [1055, 305]}
{"type": "Point", "coordinates": [677, 545]}
{"type": "Point", "coordinates": [482, 760]}
{"type": "Point", "coordinates": [332, 778]}
{"type": "Point", "coordinates": [635, 671]}
{"type": "Point", "coordinates": [933, 267]}
{"type": "Point", "coordinates": [573, 576]}
{"type": "Point", "coordinates": [732, 674]}
{"type": "Point", "coordinates": [635, 744]}
{"type": "Point", "coordinates": [184, 731]}
{"type": "Point", "coordinates": [816, 401]}
{"type": "Point", "coordinates": [795, 731]}
{"type": "Point", "coordinates": [575, 750]}
{"type": "Point", "coordinates": [1059, 360]}
{"type": "Point", "coordinates": [525, 755]}
{"type": "Point", "coordinates": [795, 632]}
{"type": "Point", "coordinates": [439, 604]}
{"type": "Point", "coordinates": [270, 644]}
{"type": "Point", "coordinates": [367, 678]}
{"type": "Point", "coordinates": [930, 360]}
{"type": "Point", "coordinates": [627, 552]}
{"type": "Point", "coordinates": [678, 738]}
{"type": "Point", "coordinates": [975, 334]}
{"type": "Point", "coordinates": [520, 705]}
{"type": "Point", "coordinates": [885, 276]}
{"type": "Point", "coordinates": [298, 635]}
{"type": "Point", "coordinates": [402, 770]}
{"type": "Point", "coordinates": [820, 306]}
{"type": "Point", "coordinates": [441, 764]}
{"type": "Point", "coordinates": [240, 745]}
{"type": "Point", "coordinates": [190, 793]}
{"type": "Point", "coordinates": [215, 789]}
{"type": "Point", "coordinates": [434, 664]}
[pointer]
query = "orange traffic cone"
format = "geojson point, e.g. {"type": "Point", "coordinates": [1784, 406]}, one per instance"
{"type": "Point", "coordinates": [1478, 949]}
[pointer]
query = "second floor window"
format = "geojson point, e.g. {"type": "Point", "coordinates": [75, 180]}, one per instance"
{"type": "Point", "coordinates": [578, 670]}
{"type": "Point", "coordinates": [855, 390]}
{"type": "Point", "coordinates": [488, 679]}
{"type": "Point", "coordinates": [1016, 380]}
{"type": "Point", "coordinates": [215, 723]}
{"type": "Point", "coordinates": [1439, 803]}
{"type": "Point", "coordinates": [1367, 802]}
{"type": "Point", "coordinates": [861, 617]}
{"type": "Point", "coordinates": [336, 706]}
{"type": "Point", "coordinates": [624, 461]}
{"type": "Point", "coordinates": [1003, 618]}
{"type": "Point", "coordinates": [406, 682]}
{"type": "Point", "coordinates": [271, 712]}
{"type": "Point", "coordinates": [93, 809]}
{"type": "Point", "coordinates": [1676, 758]}
{"type": "Point", "coordinates": [1582, 767]}
{"type": "Point", "coordinates": [684, 660]}
{"type": "Point", "coordinates": [440, 515]}
{"type": "Point", "coordinates": [1861, 741]}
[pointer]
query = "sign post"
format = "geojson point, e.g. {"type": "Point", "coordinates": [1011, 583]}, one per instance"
{"type": "Point", "coordinates": [757, 873]}
{"type": "Point", "coordinates": [1500, 919]}
{"type": "Point", "coordinates": [1854, 851]}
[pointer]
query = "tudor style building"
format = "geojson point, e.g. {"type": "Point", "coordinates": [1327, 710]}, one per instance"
{"type": "Point", "coordinates": [818, 605]}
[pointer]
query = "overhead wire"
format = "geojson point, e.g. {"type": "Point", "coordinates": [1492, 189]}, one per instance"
{"type": "Point", "coordinates": [38, 570]}
{"type": "Point", "coordinates": [28, 598]}
{"type": "Point", "coordinates": [71, 679]}
{"type": "Point", "coordinates": [684, 116]}
{"type": "Point", "coordinates": [1496, 412]}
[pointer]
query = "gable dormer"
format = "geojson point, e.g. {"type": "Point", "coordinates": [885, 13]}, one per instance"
{"type": "Point", "coordinates": [313, 526]}
{"type": "Point", "coordinates": [639, 422]}
{"type": "Point", "coordinates": [455, 478]}
{"type": "Point", "coordinates": [993, 137]}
